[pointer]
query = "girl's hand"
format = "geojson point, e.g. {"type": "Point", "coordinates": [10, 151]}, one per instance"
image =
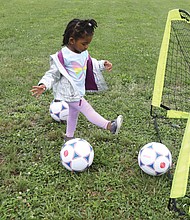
{"type": "Point", "coordinates": [108, 65]}
{"type": "Point", "coordinates": [38, 90]}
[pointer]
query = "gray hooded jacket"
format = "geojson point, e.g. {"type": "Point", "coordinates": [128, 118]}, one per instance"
{"type": "Point", "coordinates": [59, 80]}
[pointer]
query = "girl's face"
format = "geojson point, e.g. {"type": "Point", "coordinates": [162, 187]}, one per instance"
{"type": "Point", "coordinates": [79, 45]}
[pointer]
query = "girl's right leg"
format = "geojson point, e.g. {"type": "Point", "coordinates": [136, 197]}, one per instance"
{"type": "Point", "coordinates": [72, 119]}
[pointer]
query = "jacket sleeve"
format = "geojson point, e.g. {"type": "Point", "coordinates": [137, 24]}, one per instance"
{"type": "Point", "coordinates": [94, 78]}
{"type": "Point", "coordinates": [100, 64]}
{"type": "Point", "coordinates": [51, 77]}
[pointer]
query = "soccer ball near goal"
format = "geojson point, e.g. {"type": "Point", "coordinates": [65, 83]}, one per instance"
{"type": "Point", "coordinates": [77, 155]}
{"type": "Point", "coordinates": [59, 110]}
{"type": "Point", "coordinates": [154, 159]}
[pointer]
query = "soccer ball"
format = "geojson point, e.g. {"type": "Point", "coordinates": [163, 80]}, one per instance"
{"type": "Point", "coordinates": [77, 155]}
{"type": "Point", "coordinates": [155, 159]}
{"type": "Point", "coordinates": [59, 110]}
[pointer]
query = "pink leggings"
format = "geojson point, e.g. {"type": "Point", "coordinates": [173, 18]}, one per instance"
{"type": "Point", "coordinates": [86, 109]}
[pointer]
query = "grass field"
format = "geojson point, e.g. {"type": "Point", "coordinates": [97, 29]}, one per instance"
{"type": "Point", "coordinates": [33, 184]}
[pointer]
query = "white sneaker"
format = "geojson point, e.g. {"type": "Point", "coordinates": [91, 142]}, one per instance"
{"type": "Point", "coordinates": [116, 124]}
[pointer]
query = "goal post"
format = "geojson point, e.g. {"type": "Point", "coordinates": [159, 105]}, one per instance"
{"type": "Point", "coordinates": [181, 174]}
{"type": "Point", "coordinates": [171, 94]}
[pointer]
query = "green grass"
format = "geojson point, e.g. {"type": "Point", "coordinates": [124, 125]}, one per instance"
{"type": "Point", "coordinates": [34, 185]}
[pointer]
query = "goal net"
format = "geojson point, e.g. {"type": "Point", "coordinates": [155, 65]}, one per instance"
{"type": "Point", "coordinates": [172, 82]}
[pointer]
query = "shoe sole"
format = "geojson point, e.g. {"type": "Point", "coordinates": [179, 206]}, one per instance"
{"type": "Point", "coordinates": [119, 122]}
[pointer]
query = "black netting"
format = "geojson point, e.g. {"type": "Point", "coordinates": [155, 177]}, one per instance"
{"type": "Point", "coordinates": [176, 91]}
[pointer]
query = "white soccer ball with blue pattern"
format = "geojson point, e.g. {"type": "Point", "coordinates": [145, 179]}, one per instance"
{"type": "Point", "coordinates": [155, 159]}
{"type": "Point", "coordinates": [77, 155]}
{"type": "Point", "coordinates": [59, 110]}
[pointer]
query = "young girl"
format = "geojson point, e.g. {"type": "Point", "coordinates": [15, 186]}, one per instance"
{"type": "Point", "coordinates": [72, 72]}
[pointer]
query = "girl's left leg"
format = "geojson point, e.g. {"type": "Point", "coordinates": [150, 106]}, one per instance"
{"type": "Point", "coordinates": [86, 109]}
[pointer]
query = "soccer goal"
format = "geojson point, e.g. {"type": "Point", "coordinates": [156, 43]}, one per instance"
{"type": "Point", "coordinates": [172, 82]}
{"type": "Point", "coordinates": [171, 95]}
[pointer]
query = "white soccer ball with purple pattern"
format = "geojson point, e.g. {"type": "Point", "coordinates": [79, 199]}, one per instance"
{"type": "Point", "coordinates": [155, 159]}
{"type": "Point", "coordinates": [77, 155]}
{"type": "Point", "coordinates": [59, 110]}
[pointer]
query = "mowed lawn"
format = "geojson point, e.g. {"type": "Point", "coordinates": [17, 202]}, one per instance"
{"type": "Point", "coordinates": [33, 183]}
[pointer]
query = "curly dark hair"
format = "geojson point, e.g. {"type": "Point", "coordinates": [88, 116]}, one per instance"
{"type": "Point", "coordinates": [78, 28]}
